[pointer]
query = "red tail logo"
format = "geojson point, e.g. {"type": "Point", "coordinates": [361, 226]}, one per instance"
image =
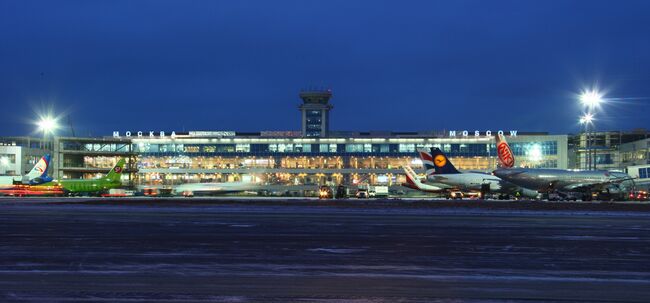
{"type": "Point", "coordinates": [506, 157]}
{"type": "Point", "coordinates": [409, 180]}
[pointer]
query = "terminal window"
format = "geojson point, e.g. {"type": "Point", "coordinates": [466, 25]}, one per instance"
{"type": "Point", "coordinates": [11, 158]}
{"type": "Point", "coordinates": [313, 123]}
{"type": "Point", "coordinates": [407, 148]}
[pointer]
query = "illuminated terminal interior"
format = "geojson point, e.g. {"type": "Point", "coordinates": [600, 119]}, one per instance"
{"type": "Point", "coordinates": [170, 161]}
{"type": "Point", "coordinates": [315, 155]}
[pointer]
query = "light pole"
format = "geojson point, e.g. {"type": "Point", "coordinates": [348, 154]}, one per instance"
{"type": "Point", "coordinates": [591, 100]}
{"type": "Point", "coordinates": [587, 120]}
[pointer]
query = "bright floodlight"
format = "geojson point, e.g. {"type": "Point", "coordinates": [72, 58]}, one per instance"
{"type": "Point", "coordinates": [587, 118]}
{"type": "Point", "coordinates": [591, 98]}
{"type": "Point", "coordinates": [535, 153]}
{"type": "Point", "coordinates": [47, 124]}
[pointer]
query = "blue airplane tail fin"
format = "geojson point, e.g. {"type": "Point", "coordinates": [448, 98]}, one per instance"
{"type": "Point", "coordinates": [440, 163]}
{"type": "Point", "coordinates": [38, 174]}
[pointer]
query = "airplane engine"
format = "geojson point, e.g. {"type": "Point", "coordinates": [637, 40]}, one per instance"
{"type": "Point", "coordinates": [495, 186]}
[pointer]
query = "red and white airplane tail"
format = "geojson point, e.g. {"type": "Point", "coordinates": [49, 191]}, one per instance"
{"type": "Point", "coordinates": [504, 153]}
{"type": "Point", "coordinates": [413, 182]}
{"type": "Point", "coordinates": [411, 178]}
{"type": "Point", "coordinates": [427, 160]}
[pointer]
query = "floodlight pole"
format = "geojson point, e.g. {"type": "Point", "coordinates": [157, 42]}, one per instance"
{"type": "Point", "coordinates": [593, 137]}
{"type": "Point", "coordinates": [587, 147]}
{"type": "Point", "coordinates": [590, 99]}
{"type": "Point", "coordinates": [43, 145]}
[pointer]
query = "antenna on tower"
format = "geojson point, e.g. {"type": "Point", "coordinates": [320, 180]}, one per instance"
{"type": "Point", "coordinates": [70, 124]}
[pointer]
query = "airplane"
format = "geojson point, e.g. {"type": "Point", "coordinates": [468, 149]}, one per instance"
{"type": "Point", "coordinates": [71, 186]}
{"type": "Point", "coordinates": [37, 175]}
{"type": "Point", "coordinates": [413, 182]}
{"type": "Point", "coordinates": [440, 170]}
{"type": "Point", "coordinates": [442, 176]}
{"type": "Point", "coordinates": [564, 181]}
{"type": "Point", "coordinates": [212, 188]}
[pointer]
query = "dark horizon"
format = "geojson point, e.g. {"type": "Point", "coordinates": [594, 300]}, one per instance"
{"type": "Point", "coordinates": [173, 65]}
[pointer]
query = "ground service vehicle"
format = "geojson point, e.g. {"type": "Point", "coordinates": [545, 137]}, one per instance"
{"type": "Point", "coordinates": [118, 192]}
{"type": "Point", "coordinates": [378, 191]}
{"type": "Point", "coordinates": [325, 192]}
{"type": "Point", "coordinates": [639, 196]}
{"type": "Point", "coordinates": [362, 194]}
{"type": "Point", "coordinates": [341, 192]}
{"type": "Point", "coordinates": [456, 195]}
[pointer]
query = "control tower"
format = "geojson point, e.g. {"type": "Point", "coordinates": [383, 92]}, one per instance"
{"type": "Point", "coordinates": [315, 112]}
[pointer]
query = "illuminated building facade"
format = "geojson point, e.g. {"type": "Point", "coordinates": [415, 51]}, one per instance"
{"type": "Point", "coordinates": [265, 157]}
{"type": "Point", "coordinates": [315, 155]}
{"type": "Point", "coordinates": [19, 154]}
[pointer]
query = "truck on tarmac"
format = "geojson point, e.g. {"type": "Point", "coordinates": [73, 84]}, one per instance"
{"type": "Point", "coordinates": [378, 191]}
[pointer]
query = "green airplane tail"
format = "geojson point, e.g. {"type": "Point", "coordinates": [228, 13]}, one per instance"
{"type": "Point", "coordinates": [115, 173]}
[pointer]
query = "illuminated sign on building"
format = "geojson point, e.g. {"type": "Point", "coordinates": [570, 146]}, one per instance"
{"type": "Point", "coordinates": [476, 133]}
{"type": "Point", "coordinates": [285, 134]}
{"type": "Point", "coordinates": [281, 134]}
{"type": "Point", "coordinates": [162, 134]}
{"type": "Point", "coordinates": [140, 134]}
{"type": "Point", "coordinates": [218, 134]}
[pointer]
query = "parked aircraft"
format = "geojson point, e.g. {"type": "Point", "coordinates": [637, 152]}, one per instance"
{"type": "Point", "coordinates": [545, 180]}
{"type": "Point", "coordinates": [72, 186]}
{"type": "Point", "coordinates": [441, 170]}
{"type": "Point", "coordinates": [37, 175]}
{"type": "Point", "coordinates": [413, 182]}
{"type": "Point", "coordinates": [191, 189]}
{"type": "Point", "coordinates": [442, 176]}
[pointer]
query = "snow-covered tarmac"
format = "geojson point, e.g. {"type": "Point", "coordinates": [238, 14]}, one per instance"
{"type": "Point", "coordinates": [180, 251]}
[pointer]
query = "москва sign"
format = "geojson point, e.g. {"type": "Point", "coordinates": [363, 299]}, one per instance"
{"type": "Point", "coordinates": [488, 133]}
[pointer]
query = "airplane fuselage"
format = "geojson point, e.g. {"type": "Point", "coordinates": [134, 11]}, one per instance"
{"type": "Point", "coordinates": [467, 181]}
{"type": "Point", "coordinates": [78, 185]}
{"type": "Point", "coordinates": [559, 179]}
{"type": "Point", "coordinates": [215, 188]}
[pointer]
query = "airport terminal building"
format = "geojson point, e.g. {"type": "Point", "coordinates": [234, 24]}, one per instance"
{"type": "Point", "coordinates": [314, 155]}
{"type": "Point", "coordinates": [288, 158]}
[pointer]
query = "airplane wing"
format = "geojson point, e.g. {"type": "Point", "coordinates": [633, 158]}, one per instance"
{"type": "Point", "coordinates": [552, 186]}
{"type": "Point", "coordinates": [595, 186]}
{"type": "Point", "coordinates": [440, 178]}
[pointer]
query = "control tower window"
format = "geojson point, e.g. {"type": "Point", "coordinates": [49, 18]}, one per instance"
{"type": "Point", "coordinates": [315, 112]}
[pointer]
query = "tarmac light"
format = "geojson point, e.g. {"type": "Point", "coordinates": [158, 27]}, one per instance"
{"type": "Point", "coordinates": [591, 98]}
{"type": "Point", "coordinates": [47, 124]}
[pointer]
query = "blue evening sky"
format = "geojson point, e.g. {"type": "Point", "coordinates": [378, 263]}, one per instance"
{"type": "Point", "coordinates": [392, 65]}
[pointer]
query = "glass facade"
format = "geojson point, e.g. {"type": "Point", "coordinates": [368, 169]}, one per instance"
{"type": "Point", "coordinates": [293, 161]}
{"type": "Point", "coordinates": [528, 150]}
{"type": "Point", "coordinates": [7, 159]}
{"type": "Point", "coordinates": [301, 161]}
{"type": "Point", "coordinates": [313, 123]}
